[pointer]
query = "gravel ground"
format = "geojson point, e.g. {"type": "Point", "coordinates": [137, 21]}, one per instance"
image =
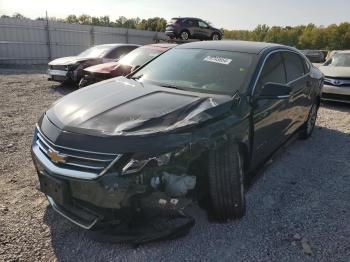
{"type": "Point", "coordinates": [298, 209]}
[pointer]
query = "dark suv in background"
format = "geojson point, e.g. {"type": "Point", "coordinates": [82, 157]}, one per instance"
{"type": "Point", "coordinates": [195, 28]}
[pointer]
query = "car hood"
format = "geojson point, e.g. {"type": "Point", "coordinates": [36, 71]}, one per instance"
{"type": "Point", "coordinates": [335, 71]}
{"type": "Point", "coordinates": [102, 68]}
{"type": "Point", "coordinates": [216, 29]}
{"type": "Point", "coordinates": [70, 60]}
{"type": "Point", "coordinates": [122, 106]}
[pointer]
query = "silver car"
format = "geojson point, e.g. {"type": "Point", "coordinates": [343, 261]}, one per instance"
{"type": "Point", "coordinates": [337, 77]}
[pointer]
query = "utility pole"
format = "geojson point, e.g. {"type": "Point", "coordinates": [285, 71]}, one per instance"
{"type": "Point", "coordinates": [48, 37]}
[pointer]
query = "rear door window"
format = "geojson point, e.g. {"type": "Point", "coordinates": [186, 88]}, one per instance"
{"type": "Point", "coordinates": [173, 21]}
{"type": "Point", "coordinates": [294, 66]}
{"type": "Point", "coordinates": [191, 22]}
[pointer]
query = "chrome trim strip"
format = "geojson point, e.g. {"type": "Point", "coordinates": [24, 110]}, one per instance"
{"type": "Point", "coordinates": [40, 140]}
{"type": "Point", "coordinates": [84, 166]}
{"type": "Point", "coordinates": [282, 97]}
{"type": "Point", "coordinates": [337, 82]}
{"type": "Point", "coordinates": [51, 167]}
{"type": "Point", "coordinates": [73, 149]}
{"type": "Point", "coordinates": [58, 210]}
{"type": "Point", "coordinates": [104, 171]}
{"type": "Point", "coordinates": [48, 165]}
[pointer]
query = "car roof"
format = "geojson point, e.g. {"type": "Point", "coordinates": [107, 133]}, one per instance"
{"type": "Point", "coordinates": [233, 46]}
{"type": "Point", "coordinates": [162, 45]}
{"type": "Point", "coordinates": [117, 44]}
{"type": "Point", "coordinates": [187, 18]}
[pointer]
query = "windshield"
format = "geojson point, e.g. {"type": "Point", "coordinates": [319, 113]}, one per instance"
{"type": "Point", "coordinates": [96, 51]}
{"type": "Point", "coordinates": [139, 56]}
{"type": "Point", "coordinates": [211, 71]}
{"type": "Point", "coordinates": [339, 59]}
{"type": "Point", "coordinates": [212, 24]}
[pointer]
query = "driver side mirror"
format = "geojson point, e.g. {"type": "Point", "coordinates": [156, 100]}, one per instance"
{"type": "Point", "coordinates": [275, 91]}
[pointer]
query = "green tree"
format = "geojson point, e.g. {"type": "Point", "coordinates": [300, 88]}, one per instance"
{"type": "Point", "coordinates": [84, 19]}
{"type": "Point", "coordinates": [18, 16]}
{"type": "Point", "coordinates": [72, 19]}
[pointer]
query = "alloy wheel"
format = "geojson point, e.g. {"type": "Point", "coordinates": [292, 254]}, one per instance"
{"type": "Point", "coordinates": [184, 35]}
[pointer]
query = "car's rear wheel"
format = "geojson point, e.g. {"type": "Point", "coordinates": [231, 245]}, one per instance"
{"type": "Point", "coordinates": [308, 127]}
{"type": "Point", "coordinates": [226, 182]}
{"type": "Point", "coordinates": [185, 35]}
{"type": "Point", "coordinates": [215, 36]}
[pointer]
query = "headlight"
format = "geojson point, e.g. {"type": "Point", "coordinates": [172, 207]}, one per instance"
{"type": "Point", "coordinates": [135, 165]}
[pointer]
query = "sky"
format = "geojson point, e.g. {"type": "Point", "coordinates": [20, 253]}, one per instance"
{"type": "Point", "coordinates": [229, 14]}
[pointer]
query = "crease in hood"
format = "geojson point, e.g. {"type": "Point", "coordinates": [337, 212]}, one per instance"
{"type": "Point", "coordinates": [122, 106]}
{"type": "Point", "coordinates": [102, 68]}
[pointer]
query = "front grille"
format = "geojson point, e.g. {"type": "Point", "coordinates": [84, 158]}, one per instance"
{"type": "Point", "coordinates": [337, 81]}
{"type": "Point", "coordinates": [58, 67]}
{"type": "Point", "coordinates": [75, 159]}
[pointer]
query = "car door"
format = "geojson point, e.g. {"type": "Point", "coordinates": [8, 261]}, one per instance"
{"type": "Point", "coordinates": [299, 81]}
{"type": "Point", "coordinates": [270, 116]}
{"type": "Point", "coordinates": [192, 26]}
{"type": "Point", "coordinates": [204, 30]}
{"type": "Point", "coordinates": [195, 29]}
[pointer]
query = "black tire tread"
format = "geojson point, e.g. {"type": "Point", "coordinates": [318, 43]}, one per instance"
{"type": "Point", "coordinates": [225, 183]}
{"type": "Point", "coordinates": [212, 36]}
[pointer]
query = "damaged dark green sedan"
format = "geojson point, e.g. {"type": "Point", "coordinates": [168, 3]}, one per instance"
{"type": "Point", "coordinates": [194, 123]}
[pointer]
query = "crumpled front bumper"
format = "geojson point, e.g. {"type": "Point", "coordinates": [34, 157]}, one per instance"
{"type": "Point", "coordinates": [79, 216]}
{"type": "Point", "coordinates": [58, 75]}
{"type": "Point", "coordinates": [104, 199]}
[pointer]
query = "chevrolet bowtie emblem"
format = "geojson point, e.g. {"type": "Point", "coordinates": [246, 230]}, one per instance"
{"type": "Point", "coordinates": [56, 157]}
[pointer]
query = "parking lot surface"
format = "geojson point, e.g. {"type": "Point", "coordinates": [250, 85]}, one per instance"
{"type": "Point", "coordinates": [298, 208]}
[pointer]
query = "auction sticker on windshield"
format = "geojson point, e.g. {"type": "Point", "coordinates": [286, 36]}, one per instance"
{"type": "Point", "coordinates": [218, 59]}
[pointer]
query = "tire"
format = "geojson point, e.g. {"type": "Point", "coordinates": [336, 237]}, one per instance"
{"type": "Point", "coordinates": [308, 127]}
{"type": "Point", "coordinates": [83, 82]}
{"type": "Point", "coordinates": [215, 36]}
{"type": "Point", "coordinates": [226, 183]}
{"type": "Point", "coordinates": [185, 35]}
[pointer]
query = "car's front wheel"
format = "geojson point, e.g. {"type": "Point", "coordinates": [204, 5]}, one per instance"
{"type": "Point", "coordinates": [308, 127]}
{"type": "Point", "coordinates": [226, 182]}
{"type": "Point", "coordinates": [215, 36]}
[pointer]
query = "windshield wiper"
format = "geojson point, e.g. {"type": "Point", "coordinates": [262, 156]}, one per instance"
{"type": "Point", "coordinates": [170, 86]}
{"type": "Point", "coordinates": [136, 77]}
